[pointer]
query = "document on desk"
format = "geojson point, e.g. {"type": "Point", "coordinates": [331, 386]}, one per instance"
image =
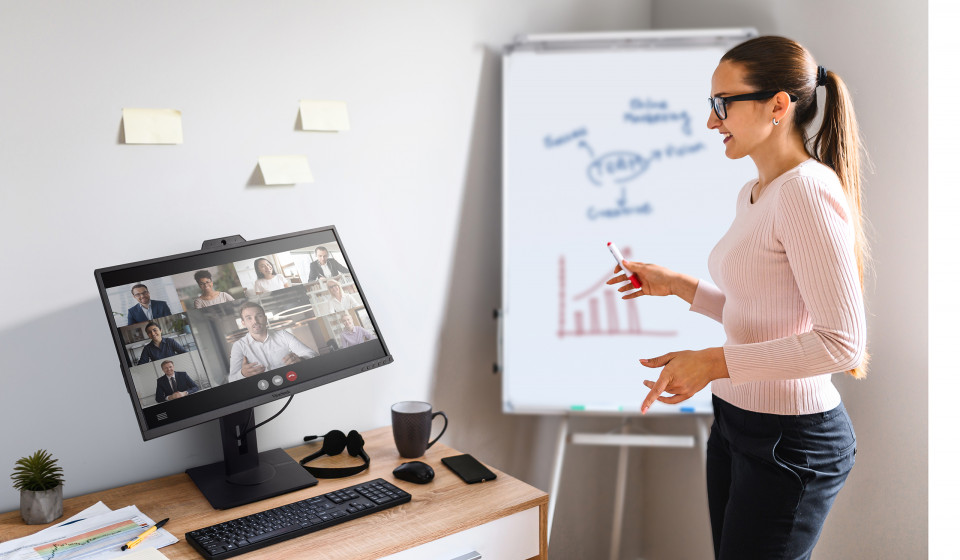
{"type": "Point", "coordinates": [97, 536]}
{"type": "Point", "coordinates": [96, 509]}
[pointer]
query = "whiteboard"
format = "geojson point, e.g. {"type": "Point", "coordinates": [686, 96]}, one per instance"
{"type": "Point", "coordinates": [606, 144]}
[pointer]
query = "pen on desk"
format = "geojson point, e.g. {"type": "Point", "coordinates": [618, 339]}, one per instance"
{"type": "Point", "coordinates": [144, 535]}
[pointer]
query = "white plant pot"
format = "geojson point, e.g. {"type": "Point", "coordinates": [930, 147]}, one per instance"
{"type": "Point", "coordinates": [37, 508]}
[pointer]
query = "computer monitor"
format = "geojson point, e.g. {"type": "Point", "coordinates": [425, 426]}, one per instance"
{"type": "Point", "coordinates": [211, 334]}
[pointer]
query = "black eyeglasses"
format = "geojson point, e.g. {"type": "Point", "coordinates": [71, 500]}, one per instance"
{"type": "Point", "coordinates": [719, 104]}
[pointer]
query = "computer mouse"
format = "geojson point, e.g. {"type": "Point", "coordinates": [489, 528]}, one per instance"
{"type": "Point", "coordinates": [414, 471]}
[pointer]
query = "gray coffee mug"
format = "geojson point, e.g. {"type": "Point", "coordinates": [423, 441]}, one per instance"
{"type": "Point", "coordinates": [412, 422]}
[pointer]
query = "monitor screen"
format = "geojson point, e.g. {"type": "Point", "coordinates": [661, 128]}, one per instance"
{"type": "Point", "coordinates": [204, 334]}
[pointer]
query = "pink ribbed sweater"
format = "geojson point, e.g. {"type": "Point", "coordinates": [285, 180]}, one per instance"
{"type": "Point", "coordinates": [788, 295]}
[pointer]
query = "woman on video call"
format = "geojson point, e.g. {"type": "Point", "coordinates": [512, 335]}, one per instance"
{"type": "Point", "coordinates": [208, 294]}
{"type": "Point", "coordinates": [789, 294]}
{"type": "Point", "coordinates": [267, 279]}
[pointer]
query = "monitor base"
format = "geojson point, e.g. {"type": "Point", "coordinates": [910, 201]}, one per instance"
{"type": "Point", "coordinates": [245, 487]}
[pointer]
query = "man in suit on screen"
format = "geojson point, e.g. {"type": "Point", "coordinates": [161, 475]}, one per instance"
{"type": "Point", "coordinates": [174, 384]}
{"type": "Point", "coordinates": [325, 266]}
{"type": "Point", "coordinates": [145, 309]}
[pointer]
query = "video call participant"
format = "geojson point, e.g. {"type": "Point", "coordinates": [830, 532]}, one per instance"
{"type": "Point", "coordinates": [339, 300]}
{"type": "Point", "coordinates": [174, 384]}
{"type": "Point", "coordinates": [208, 296]}
{"type": "Point", "coordinates": [158, 347]}
{"type": "Point", "coordinates": [353, 335]}
{"type": "Point", "coordinates": [145, 310]}
{"type": "Point", "coordinates": [267, 279]}
{"type": "Point", "coordinates": [325, 266]}
{"type": "Point", "coordinates": [260, 349]}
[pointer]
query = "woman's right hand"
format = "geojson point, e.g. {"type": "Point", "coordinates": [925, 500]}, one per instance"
{"type": "Point", "coordinates": [655, 280]}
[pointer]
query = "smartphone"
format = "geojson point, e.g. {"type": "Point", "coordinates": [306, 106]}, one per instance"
{"type": "Point", "coordinates": [468, 468]}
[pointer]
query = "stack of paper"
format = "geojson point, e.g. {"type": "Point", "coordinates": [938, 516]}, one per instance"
{"type": "Point", "coordinates": [95, 532]}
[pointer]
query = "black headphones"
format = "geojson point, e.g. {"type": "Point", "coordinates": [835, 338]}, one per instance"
{"type": "Point", "coordinates": [333, 443]}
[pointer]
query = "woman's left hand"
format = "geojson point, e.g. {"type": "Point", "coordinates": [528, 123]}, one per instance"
{"type": "Point", "coordinates": [684, 373]}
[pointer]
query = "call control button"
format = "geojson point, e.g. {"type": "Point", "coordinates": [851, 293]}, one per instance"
{"type": "Point", "coordinates": [291, 376]}
{"type": "Point", "coordinates": [263, 384]}
{"type": "Point", "coordinates": [277, 380]}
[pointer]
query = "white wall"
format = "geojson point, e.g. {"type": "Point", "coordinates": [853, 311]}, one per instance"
{"type": "Point", "coordinates": [944, 269]}
{"type": "Point", "coordinates": [420, 169]}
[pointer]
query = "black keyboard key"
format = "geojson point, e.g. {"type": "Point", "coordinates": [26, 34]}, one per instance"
{"type": "Point", "coordinates": [275, 533]}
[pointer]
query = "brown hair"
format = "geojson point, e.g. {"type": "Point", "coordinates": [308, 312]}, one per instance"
{"type": "Point", "coordinates": [249, 305]}
{"type": "Point", "coordinates": [780, 64]}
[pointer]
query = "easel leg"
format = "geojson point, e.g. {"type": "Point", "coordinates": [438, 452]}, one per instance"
{"type": "Point", "coordinates": [619, 499]}
{"type": "Point", "coordinates": [703, 434]}
{"type": "Point", "coordinates": [557, 471]}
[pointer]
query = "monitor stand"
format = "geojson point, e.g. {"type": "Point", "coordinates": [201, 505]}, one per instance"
{"type": "Point", "coordinates": [245, 476]}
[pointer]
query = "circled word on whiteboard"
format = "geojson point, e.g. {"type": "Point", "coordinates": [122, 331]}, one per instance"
{"type": "Point", "coordinates": [623, 166]}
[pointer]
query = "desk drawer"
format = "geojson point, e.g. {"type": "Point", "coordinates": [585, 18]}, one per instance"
{"type": "Point", "coordinates": [516, 537]}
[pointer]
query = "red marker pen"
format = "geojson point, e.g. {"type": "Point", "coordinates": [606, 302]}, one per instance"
{"type": "Point", "coordinates": [617, 255]}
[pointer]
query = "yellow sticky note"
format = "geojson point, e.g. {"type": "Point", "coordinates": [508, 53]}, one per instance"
{"type": "Point", "coordinates": [327, 116]}
{"type": "Point", "coordinates": [152, 126]}
{"type": "Point", "coordinates": [285, 170]}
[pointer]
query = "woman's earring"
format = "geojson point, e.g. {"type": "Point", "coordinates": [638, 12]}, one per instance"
{"type": "Point", "coordinates": [775, 122]}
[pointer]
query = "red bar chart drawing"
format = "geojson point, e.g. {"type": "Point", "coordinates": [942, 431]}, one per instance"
{"type": "Point", "coordinates": [592, 319]}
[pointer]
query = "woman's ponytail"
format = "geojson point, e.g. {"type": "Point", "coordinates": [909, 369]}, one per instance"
{"type": "Point", "coordinates": [837, 145]}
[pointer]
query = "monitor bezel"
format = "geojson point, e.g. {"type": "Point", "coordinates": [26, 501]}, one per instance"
{"type": "Point", "coordinates": [232, 243]}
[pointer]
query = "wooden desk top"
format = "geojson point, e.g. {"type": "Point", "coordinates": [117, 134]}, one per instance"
{"type": "Point", "coordinates": [440, 508]}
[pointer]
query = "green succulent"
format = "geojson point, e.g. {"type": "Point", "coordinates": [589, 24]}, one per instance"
{"type": "Point", "coordinates": [37, 472]}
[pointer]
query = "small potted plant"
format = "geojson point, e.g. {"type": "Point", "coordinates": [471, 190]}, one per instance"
{"type": "Point", "coordinates": [40, 482]}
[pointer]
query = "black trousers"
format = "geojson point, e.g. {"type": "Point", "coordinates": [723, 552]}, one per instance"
{"type": "Point", "coordinates": [772, 479]}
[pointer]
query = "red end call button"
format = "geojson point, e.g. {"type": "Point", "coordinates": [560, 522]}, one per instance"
{"type": "Point", "coordinates": [291, 376]}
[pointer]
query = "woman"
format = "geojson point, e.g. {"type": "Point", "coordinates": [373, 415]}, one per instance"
{"type": "Point", "coordinates": [267, 279]}
{"type": "Point", "coordinates": [789, 276]}
{"type": "Point", "coordinates": [208, 295]}
{"type": "Point", "coordinates": [339, 301]}
{"type": "Point", "coordinates": [158, 347]}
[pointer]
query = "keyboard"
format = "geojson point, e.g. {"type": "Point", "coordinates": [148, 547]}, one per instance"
{"type": "Point", "coordinates": [272, 526]}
